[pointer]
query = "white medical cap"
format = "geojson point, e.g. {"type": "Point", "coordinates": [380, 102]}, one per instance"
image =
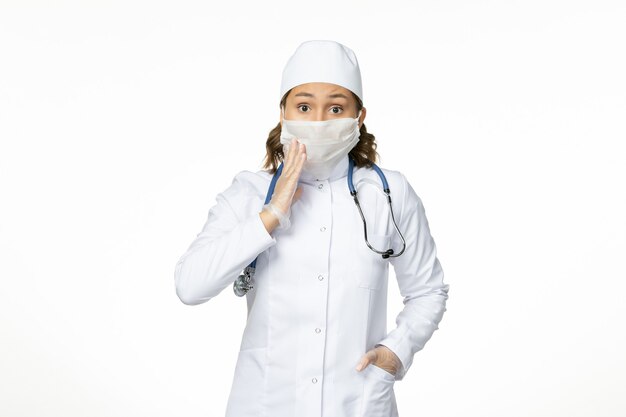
{"type": "Point", "coordinates": [322, 61]}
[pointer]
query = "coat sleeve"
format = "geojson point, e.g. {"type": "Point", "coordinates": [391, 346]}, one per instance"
{"type": "Point", "coordinates": [232, 237]}
{"type": "Point", "coordinates": [420, 280]}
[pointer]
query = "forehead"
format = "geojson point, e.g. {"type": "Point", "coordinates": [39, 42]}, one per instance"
{"type": "Point", "coordinates": [319, 90]}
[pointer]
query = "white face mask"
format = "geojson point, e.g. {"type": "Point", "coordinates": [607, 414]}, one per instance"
{"type": "Point", "coordinates": [327, 142]}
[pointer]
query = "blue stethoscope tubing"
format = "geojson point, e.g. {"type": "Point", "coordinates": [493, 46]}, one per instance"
{"type": "Point", "coordinates": [389, 252]}
{"type": "Point", "coordinates": [243, 283]}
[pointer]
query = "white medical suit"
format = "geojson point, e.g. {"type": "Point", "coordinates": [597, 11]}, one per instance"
{"type": "Point", "coordinates": [319, 300]}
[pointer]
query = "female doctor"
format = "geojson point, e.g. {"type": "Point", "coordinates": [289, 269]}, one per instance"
{"type": "Point", "coordinates": [314, 234]}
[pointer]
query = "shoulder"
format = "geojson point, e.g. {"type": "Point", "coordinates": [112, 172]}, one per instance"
{"type": "Point", "coordinates": [396, 180]}
{"type": "Point", "coordinates": [401, 189]}
{"type": "Point", "coordinates": [246, 193]}
{"type": "Point", "coordinates": [254, 179]}
{"type": "Point", "coordinates": [249, 183]}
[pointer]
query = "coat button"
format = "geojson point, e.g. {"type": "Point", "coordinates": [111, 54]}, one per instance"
{"type": "Point", "coordinates": [317, 330]}
{"type": "Point", "coordinates": [322, 228]}
{"type": "Point", "coordinates": [320, 277]}
{"type": "Point", "coordinates": [320, 186]}
{"type": "Point", "coordinates": [314, 380]}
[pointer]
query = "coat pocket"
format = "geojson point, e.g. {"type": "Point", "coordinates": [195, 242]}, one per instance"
{"type": "Point", "coordinates": [247, 389]}
{"type": "Point", "coordinates": [373, 265]}
{"type": "Point", "coordinates": [377, 392]}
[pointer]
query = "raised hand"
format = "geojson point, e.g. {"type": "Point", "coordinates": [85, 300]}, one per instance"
{"type": "Point", "coordinates": [286, 190]}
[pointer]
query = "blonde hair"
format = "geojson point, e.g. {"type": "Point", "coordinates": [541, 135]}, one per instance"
{"type": "Point", "coordinates": [364, 152]}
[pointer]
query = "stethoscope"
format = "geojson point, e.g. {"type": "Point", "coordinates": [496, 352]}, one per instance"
{"type": "Point", "coordinates": [244, 281]}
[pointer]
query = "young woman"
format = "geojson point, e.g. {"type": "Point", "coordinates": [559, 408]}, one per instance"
{"type": "Point", "coordinates": [316, 259]}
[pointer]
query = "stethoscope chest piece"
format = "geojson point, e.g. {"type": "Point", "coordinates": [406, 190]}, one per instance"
{"type": "Point", "coordinates": [244, 282]}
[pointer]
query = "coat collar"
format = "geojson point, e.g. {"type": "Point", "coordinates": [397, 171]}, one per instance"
{"type": "Point", "coordinates": [340, 171]}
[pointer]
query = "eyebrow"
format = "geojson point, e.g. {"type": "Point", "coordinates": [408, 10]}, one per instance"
{"type": "Point", "coordinates": [338, 95]}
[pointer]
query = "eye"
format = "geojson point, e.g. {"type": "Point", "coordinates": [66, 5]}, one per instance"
{"type": "Point", "coordinates": [336, 107]}
{"type": "Point", "coordinates": [303, 105]}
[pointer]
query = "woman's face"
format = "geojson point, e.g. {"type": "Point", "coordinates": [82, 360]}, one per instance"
{"type": "Point", "coordinates": [320, 101]}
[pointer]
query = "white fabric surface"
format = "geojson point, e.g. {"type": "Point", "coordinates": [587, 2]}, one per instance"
{"type": "Point", "coordinates": [320, 294]}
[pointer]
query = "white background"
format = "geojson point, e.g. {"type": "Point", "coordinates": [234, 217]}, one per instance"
{"type": "Point", "coordinates": [120, 121]}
